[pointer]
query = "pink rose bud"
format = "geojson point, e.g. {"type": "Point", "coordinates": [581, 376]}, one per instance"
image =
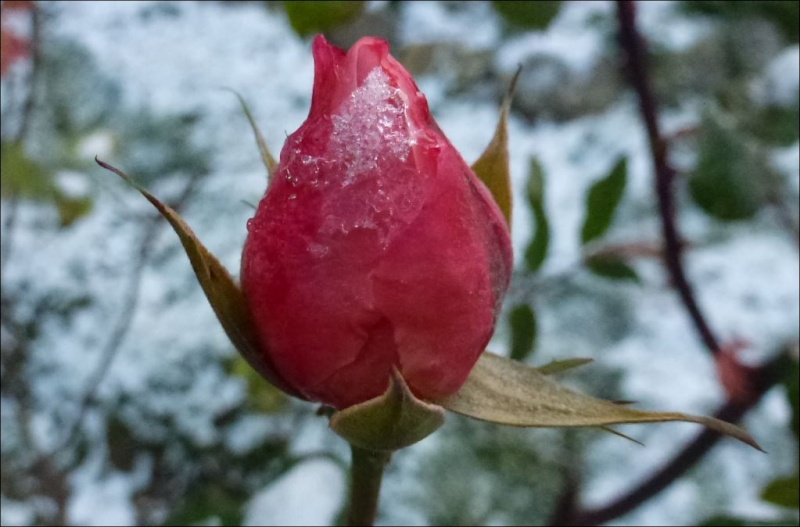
{"type": "Point", "coordinates": [375, 246]}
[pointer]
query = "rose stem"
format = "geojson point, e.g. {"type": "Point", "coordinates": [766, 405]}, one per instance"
{"type": "Point", "coordinates": [366, 474]}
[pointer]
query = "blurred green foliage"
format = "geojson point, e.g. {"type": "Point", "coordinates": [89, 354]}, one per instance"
{"type": "Point", "coordinates": [784, 492]}
{"type": "Point", "coordinates": [262, 396]}
{"type": "Point", "coordinates": [536, 251]}
{"type": "Point", "coordinates": [310, 17]}
{"type": "Point", "coordinates": [531, 15]}
{"type": "Point", "coordinates": [211, 502]}
{"type": "Point", "coordinates": [523, 331]}
{"type": "Point", "coordinates": [790, 381]}
{"type": "Point", "coordinates": [602, 201]}
{"type": "Point", "coordinates": [611, 267]}
{"type": "Point", "coordinates": [25, 178]}
{"type": "Point", "coordinates": [728, 180]}
{"type": "Point", "coordinates": [22, 176]}
{"type": "Point", "coordinates": [733, 521]}
{"type": "Point", "coordinates": [494, 475]}
{"type": "Point", "coordinates": [784, 14]}
{"type": "Point", "coordinates": [773, 124]}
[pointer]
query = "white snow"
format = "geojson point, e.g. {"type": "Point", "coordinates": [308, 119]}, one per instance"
{"type": "Point", "coordinates": [747, 281]}
{"type": "Point", "coordinates": [780, 83]}
{"type": "Point", "coordinates": [310, 494]}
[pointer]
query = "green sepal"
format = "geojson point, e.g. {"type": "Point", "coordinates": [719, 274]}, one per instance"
{"type": "Point", "coordinates": [503, 391]}
{"type": "Point", "coordinates": [389, 422]}
{"type": "Point", "coordinates": [266, 156]}
{"type": "Point", "coordinates": [221, 290]}
{"type": "Point", "coordinates": [492, 167]}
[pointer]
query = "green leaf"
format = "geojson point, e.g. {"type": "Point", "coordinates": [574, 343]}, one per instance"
{"type": "Point", "coordinates": [261, 396]}
{"type": "Point", "coordinates": [783, 492]}
{"type": "Point", "coordinates": [209, 502]}
{"type": "Point", "coordinates": [309, 17]}
{"type": "Point", "coordinates": [791, 381]}
{"type": "Point", "coordinates": [27, 179]}
{"type": "Point", "coordinates": [221, 290]}
{"type": "Point", "coordinates": [266, 156]}
{"type": "Point", "coordinates": [725, 181]}
{"type": "Point", "coordinates": [392, 421]}
{"type": "Point", "coordinates": [725, 521]}
{"type": "Point", "coordinates": [775, 125]}
{"type": "Point", "coordinates": [523, 331]}
{"type": "Point", "coordinates": [537, 249]}
{"type": "Point", "coordinates": [602, 201]}
{"type": "Point", "coordinates": [121, 444]}
{"type": "Point", "coordinates": [528, 15]}
{"type": "Point", "coordinates": [535, 189]}
{"type": "Point", "coordinates": [611, 267]}
{"type": "Point", "coordinates": [492, 166]}
{"type": "Point", "coordinates": [504, 391]}
{"type": "Point", "coordinates": [735, 521]}
{"type": "Point", "coordinates": [72, 209]}
{"type": "Point", "coordinates": [785, 15]}
{"type": "Point", "coordinates": [22, 176]}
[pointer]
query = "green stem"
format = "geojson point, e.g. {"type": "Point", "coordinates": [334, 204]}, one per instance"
{"type": "Point", "coordinates": [366, 474]}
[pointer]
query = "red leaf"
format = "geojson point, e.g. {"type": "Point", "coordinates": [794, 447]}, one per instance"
{"type": "Point", "coordinates": [738, 379]}
{"type": "Point", "coordinates": [12, 49]}
{"type": "Point", "coordinates": [12, 46]}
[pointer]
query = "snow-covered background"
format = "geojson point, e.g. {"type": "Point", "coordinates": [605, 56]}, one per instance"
{"type": "Point", "coordinates": [174, 59]}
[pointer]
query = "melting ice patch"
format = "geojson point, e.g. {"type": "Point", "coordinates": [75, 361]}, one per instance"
{"type": "Point", "coordinates": [369, 151]}
{"type": "Point", "coordinates": [369, 130]}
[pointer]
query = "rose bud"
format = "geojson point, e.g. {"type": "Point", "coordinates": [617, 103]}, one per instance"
{"type": "Point", "coordinates": [375, 246]}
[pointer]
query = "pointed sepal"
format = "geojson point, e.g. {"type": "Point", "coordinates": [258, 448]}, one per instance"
{"type": "Point", "coordinates": [220, 288]}
{"type": "Point", "coordinates": [266, 156]}
{"type": "Point", "coordinates": [389, 422]}
{"type": "Point", "coordinates": [492, 167]}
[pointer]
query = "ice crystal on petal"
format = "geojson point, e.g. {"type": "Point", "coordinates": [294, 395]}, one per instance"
{"type": "Point", "coordinates": [369, 150]}
{"type": "Point", "coordinates": [369, 130]}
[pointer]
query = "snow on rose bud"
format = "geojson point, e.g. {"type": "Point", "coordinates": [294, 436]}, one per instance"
{"type": "Point", "coordinates": [375, 246]}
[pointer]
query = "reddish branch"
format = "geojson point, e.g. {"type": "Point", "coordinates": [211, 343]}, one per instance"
{"type": "Point", "coordinates": [762, 378]}
{"type": "Point", "coordinates": [732, 410]}
{"type": "Point", "coordinates": [636, 51]}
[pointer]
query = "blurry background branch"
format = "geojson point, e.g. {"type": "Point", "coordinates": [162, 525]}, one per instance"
{"type": "Point", "coordinates": [732, 410]}
{"type": "Point", "coordinates": [758, 380]}
{"type": "Point", "coordinates": [636, 53]}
